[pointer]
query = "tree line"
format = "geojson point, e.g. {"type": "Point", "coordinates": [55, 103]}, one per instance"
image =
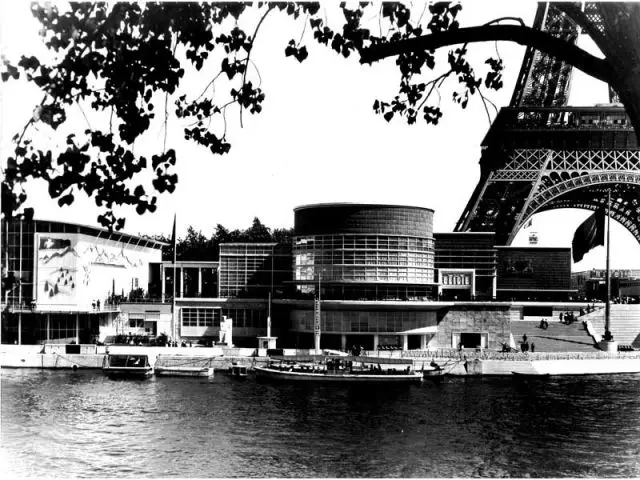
{"type": "Point", "coordinates": [196, 246]}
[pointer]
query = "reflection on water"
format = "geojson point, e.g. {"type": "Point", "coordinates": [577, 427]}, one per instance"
{"type": "Point", "coordinates": [82, 424]}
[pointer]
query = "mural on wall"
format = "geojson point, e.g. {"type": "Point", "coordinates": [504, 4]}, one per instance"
{"type": "Point", "coordinates": [81, 271]}
{"type": "Point", "coordinates": [519, 268]}
{"type": "Point", "coordinates": [101, 256]}
{"type": "Point", "coordinates": [57, 264]}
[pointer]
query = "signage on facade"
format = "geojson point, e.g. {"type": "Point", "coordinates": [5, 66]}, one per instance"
{"type": "Point", "coordinates": [456, 279]}
{"type": "Point", "coordinates": [316, 317]}
{"type": "Point", "coordinates": [615, 273]}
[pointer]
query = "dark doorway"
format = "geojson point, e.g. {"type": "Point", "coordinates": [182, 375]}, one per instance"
{"type": "Point", "coordinates": [470, 340]}
{"type": "Point", "coordinates": [414, 342]}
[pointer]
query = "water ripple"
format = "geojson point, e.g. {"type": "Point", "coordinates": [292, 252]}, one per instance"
{"type": "Point", "coordinates": [61, 424]}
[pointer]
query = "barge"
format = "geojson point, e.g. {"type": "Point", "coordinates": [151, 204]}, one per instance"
{"type": "Point", "coordinates": [340, 369]}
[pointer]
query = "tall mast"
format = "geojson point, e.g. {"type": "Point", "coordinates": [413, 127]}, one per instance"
{"type": "Point", "coordinates": [175, 280]}
{"type": "Point", "coordinates": [317, 319]}
{"type": "Point", "coordinates": [270, 294]}
{"type": "Point", "coordinates": [607, 308]}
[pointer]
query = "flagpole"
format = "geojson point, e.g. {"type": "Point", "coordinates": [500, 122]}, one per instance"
{"type": "Point", "coordinates": [607, 308]}
{"type": "Point", "coordinates": [173, 301]}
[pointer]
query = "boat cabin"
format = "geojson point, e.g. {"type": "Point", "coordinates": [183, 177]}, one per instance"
{"type": "Point", "coordinates": [127, 361]}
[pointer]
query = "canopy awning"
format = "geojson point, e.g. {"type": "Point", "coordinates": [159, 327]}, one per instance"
{"type": "Point", "coordinates": [421, 330]}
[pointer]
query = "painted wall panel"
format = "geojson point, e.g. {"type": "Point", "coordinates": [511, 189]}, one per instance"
{"type": "Point", "coordinates": [75, 270]}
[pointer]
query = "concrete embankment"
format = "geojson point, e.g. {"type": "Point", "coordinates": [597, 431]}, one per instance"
{"type": "Point", "coordinates": [568, 363]}
{"type": "Point", "coordinates": [452, 362]}
{"type": "Point", "coordinates": [92, 357]}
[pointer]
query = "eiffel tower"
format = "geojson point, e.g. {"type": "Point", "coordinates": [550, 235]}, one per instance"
{"type": "Point", "coordinates": [541, 154]}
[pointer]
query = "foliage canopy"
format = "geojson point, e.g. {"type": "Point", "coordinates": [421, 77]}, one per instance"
{"type": "Point", "coordinates": [120, 58]}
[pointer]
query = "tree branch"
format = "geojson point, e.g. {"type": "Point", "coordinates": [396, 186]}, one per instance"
{"type": "Point", "coordinates": [591, 65]}
{"type": "Point", "coordinates": [253, 39]}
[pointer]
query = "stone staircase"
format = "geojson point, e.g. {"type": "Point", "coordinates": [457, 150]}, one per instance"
{"type": "Point", "coordinates": [557, 338]}
{"type": "Point", "coordinates": [624, 323]}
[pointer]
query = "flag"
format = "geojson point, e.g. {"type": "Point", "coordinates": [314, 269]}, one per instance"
{"type": "Point", "coordinates": [589, 234]}
{"type": "Point", "coordinates": [173, 238]}
{"type": "Point", "coordinates": [529, 224]}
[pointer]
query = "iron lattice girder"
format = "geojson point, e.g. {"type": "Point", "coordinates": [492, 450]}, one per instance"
{"type": "Point", "coordinates": [526, 164]}
{"type": "Point", "coordinates": [547, 156]}
{"type": "Point", "coordinates": [625, 202]}
{"type": "Point", "coordinates": [560, 194]}
{"type": "Point", "coordinates": [535, 180]}
{"type": "Point", "coordinates": [543, 79]}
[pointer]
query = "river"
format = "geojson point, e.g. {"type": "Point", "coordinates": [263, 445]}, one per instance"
{"type": "Point", "coordinates": [81, 424]}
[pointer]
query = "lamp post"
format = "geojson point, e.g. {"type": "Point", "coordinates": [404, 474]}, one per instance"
{"type": "Point", "coordinates": [270, 295]}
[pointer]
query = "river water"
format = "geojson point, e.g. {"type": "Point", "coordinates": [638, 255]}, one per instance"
{"type": "Point", "coordinates": [81, 424]}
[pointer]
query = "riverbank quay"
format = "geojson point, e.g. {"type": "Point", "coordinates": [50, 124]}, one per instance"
{"type": "Point", "coordinates": [58, 356]}
{"type": "Point", "coordinates": [452, 362]}
{"type": "Point", "coordinates": [488, 363]}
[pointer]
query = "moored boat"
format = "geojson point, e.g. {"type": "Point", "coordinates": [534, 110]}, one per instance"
{"type": "Point", "coordinates": [127, 366]}
{"type": "Point", "coordinates": [529, 375]}
{"type": "Point", "coordinates": [184, 371]}
{"type": "Point", "coordinates": [433, 373]}
{"type": "Point", "coordinates": [179, 366]}
{"type": "Point", "coordinates": [340, 369]}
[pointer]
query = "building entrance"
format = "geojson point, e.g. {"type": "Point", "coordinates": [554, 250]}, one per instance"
{"type": "Point", "coordinates": [470, 340]}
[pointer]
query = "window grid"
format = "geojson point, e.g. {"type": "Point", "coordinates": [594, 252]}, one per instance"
{"type": "Point", "coordinates": [336, 321]}
{"type": "Point", "coordinates": [364, 258]}
{"type": "Point", "coordinates": [200, 317]}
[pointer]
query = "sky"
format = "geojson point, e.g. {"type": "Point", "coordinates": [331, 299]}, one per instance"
{"type": "Point", "coordinates": [317, 140]}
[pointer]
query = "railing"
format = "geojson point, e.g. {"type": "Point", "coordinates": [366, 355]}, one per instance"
{"type": "Point", "coordinates": [556, 118]}
{"type": "Point", "coordinates": [58, 308]}
{"type": "Point", "coordinates": [147, 300]}
{"type": "Point", "coordinates": [525, 357]}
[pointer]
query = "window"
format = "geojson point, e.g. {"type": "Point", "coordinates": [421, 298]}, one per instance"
{"type": "Point", "coordinates": [136, 322]}
{"type": "Point", "coordinates": [200, 317]}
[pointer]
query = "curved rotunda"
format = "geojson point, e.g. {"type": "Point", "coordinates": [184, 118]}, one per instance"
{"type": "Point", "coordinates": [364, 251]}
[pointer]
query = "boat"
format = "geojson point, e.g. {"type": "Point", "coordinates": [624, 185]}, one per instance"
{"type": "Point", "coordinates": [181, 366]}
{"type": "Point", "coordinates": [433, 373]}
{"type": "Point", "coordinates": [530, 375]}
{"type": "Point", "coordinates": [339, 369]}
{"type": "Point", "coordinates": [238, 371]}
{"type": "Point", "coordinates": [127, 365]}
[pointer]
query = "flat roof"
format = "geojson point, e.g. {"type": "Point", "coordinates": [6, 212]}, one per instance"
{"type": "Point", "coordinates": [464, 233]}
{"type": "Point", "coordinates": [100, 232]}
{"type": "Point", "coordinates": [513, 247]}
{"type": "Point", "coordinates": [356, 204]}
{"type": "Point", "coordinates": [606, 107]}
{"type": "Point", "coordinates": [253, 244]}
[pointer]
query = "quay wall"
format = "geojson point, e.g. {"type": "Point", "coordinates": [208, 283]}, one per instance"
{"type": "Point", "coordinates": [31, 356]}
{"type": "Point", "coordinates": [452, 361]}
{"type": "Point", "coordinates": [493, 321]}
{"type": "Point", "coordinates": [51, 360]}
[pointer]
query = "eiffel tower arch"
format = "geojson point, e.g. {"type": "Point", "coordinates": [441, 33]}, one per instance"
{"type": "Point", "coordinates": [541, 154]}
